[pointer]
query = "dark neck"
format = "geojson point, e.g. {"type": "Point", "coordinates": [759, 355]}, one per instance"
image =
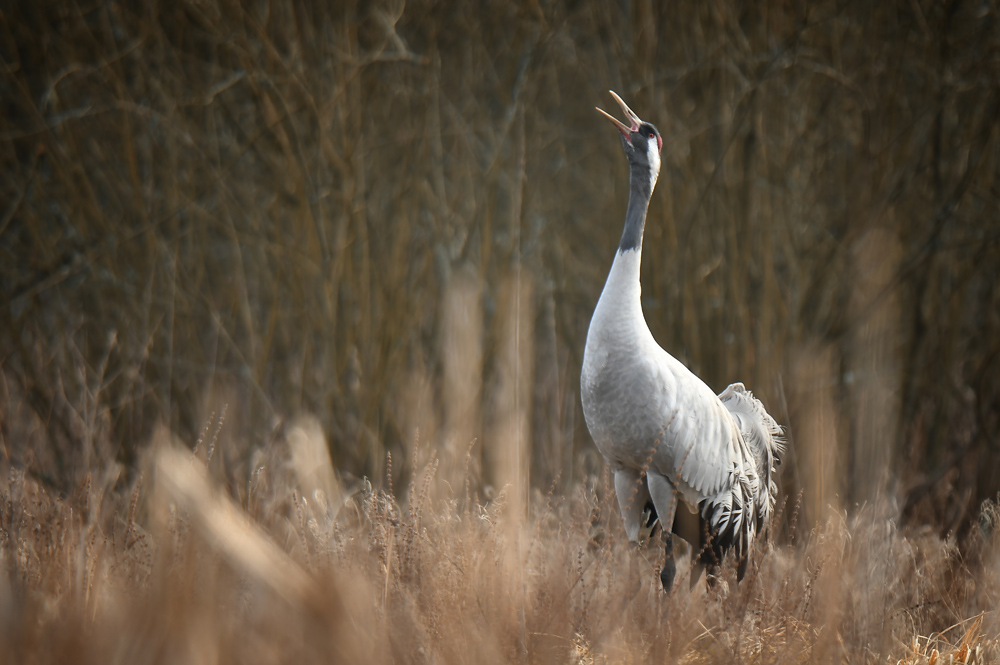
{"type": "Point", "coordinates": [638, 201]}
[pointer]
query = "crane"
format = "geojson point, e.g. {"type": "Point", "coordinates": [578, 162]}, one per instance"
{"type": "Point", "coordinates": [666, 435]}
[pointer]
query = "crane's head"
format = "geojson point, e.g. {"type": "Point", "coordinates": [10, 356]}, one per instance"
{"type": "Point", "coordinates": [641, 140]}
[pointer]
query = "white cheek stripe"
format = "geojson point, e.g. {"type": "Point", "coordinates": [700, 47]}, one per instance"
{"type": "Point", "coordinates": [653, 154]}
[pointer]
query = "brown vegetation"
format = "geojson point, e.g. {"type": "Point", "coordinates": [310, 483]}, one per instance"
{"type": "Point", "coordinates": [218, 216]}
{"type": "Point", "coordinates": [288, 566]}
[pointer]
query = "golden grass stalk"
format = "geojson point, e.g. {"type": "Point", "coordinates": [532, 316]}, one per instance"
{"type": "Point", "coordinates": [183, 480]}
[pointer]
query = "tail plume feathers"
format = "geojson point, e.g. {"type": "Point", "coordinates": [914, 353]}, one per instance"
{"type": "Point", "coordinates": [763, 437]}
{"type": "Point", "coordinates": [730, 517]}
{"type": "Point", "coordinates": [733, 518]}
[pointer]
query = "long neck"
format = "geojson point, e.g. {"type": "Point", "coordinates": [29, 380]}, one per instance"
{"type": "Point", "coordinates": [640, 190]}
{"type": "Point", "coordinates": [620, 301]}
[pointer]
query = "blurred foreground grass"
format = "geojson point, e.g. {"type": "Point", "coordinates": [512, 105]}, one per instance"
{"type": "Point", "coordinates": [288, 565]}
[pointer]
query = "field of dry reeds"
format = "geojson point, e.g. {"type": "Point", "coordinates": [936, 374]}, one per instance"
{"type": "Point", "coordinates": [293, 298]}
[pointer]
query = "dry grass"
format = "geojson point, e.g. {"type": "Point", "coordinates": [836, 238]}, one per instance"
{"type": "Point", "coordinates": [286, 566]}
{"type": "Point", "coordinates": [218, 215]}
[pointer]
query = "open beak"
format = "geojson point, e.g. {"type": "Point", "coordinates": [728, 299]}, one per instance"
{"type": "Point", "coordinates": [632, 117]}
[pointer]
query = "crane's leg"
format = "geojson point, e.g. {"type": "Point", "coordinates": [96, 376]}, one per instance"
{"type": "Point", "coordinates": [632, 497]}
{"type": "Point", "coordinates": [665, 501]}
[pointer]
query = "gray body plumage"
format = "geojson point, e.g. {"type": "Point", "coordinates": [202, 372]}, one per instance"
{"type": "Point", "coordinates": [664, 432]}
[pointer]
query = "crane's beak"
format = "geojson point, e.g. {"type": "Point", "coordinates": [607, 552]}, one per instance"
{"type": "Point", "coordinates": [632, 117]}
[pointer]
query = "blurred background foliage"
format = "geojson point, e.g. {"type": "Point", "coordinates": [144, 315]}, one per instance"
{"type": "Point", "coordinates": [399, 217]}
